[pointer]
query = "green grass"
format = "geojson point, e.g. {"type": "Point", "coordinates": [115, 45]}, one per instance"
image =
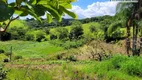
{"type": "Point", "coordinates": [116, 68]}
{"type": "Point", "coordinates": [28, 74]}
{"type": "Point", "coordinates": [29, 49]}
{"type": "Point", "coordinates": [18, 23]}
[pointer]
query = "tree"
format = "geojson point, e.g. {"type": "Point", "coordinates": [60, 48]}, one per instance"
{"type": "Point", "coordinates": [76, 30]}
{"type": "Point", "coordinates": [62, 33]}
{"type": "Point", "coordinates": [133, 13]}
{"type": "Point", "coordinates": [36, 8]}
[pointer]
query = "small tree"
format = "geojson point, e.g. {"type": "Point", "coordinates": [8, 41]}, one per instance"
{"type": "Point", "coordinates": [76, 30]}
{"type": "Point", "coordinates": [62, 33]}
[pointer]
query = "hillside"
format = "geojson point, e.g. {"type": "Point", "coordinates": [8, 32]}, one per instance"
{"type": "Point", "coordinates": [78, 51]}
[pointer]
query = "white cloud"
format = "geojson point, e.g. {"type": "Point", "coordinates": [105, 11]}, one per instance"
{"type": "Point", "coordinates": [95, 9]}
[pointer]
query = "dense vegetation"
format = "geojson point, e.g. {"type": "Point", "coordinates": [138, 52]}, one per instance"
{"type": "Point", "coordinates": [85, 49]}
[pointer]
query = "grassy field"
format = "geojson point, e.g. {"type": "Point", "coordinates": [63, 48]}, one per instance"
{"type": "Point", "coordinates": [28, 49]}
{"type": "Point", "coordinates": [116, 68]}
{"type": "Point", "coordinates": [45, 61]}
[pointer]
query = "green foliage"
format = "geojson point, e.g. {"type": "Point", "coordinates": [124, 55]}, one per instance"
{"type": "Point", "coordinates": [59, 33]}
{"type": "Point", "coordinates": [36, 8]}
{"type": "Point", "coordinates": [29, 36]}
{"type": "Point", "coordinates": [68, 44]}
{"type": "Point", "coordinates": [118, 33]}
{"type": "Point", "coordinates": [72, 58]}
{"type": "Point", "coordinates": [28, 74]}
{"type": "Point", "coordinates": [122, 65]}
{"type": "Point", "coordinates": [46, 30]}
{"type": "Point", "coordinates": [3, 73]}
{"type": "Point", "coordinates": [17, 57]}
{"type": "Point", "coordinates": [17, 33]}
{"type": "Point", "coordinates": [6, 11]}
{"type": "Point", "coordinates": [113, 27]}
{"type": "Point", "coordinates": [30, 49]}
{"type": "Point", "coordinates": [1, 51]}
{"type": "Point", "coordinates": [62, 33]}
{"type": "Point", "coordinates": [76, 31]}
{"type": "Point", "coordinates": [35, 35]}
{"type": "Point", "coordinates": [8, 53]}
{"type": "Point", "coordinates": [39, 35]}
{"type": "Point", "coordinates": [92, 28]}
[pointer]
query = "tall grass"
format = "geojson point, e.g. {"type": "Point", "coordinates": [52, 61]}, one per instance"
{"type": "Point", "coordinates": [120, 68]}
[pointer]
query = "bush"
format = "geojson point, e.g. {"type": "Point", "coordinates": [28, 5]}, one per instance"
{"type": "Point", "coordinates": [68, 44]}
{"type": "Point", "coordinates": [35, 35]}
{"type": "Point", "coordinates": [3, 73]}
{"type": "Point", "coordinates": [17, 33]}
{"type": "Point", "coordinates": [1, 51]}
{"type": "Point", "coordinates": [5, 36]}
{"type": "Point", "coordinates": [72, 58]}
{"type": "Point", "coordinates": [18, 57]}
{"type": "Point", "coordinates": [6, 60]}
{"type": "Point", "coordinates": [8, 53]}
{"type": "Point", "coordinates": [29, 36]}
{"type": "Point", "coordinates": [47, 30]}
{"type": "Point", "coordinates": [59, 33]}
{"type": "Point", "coordinates": [133, 66]}
{"type": "Point", "coordinates": [76, 30]}
{"type": "Point", "coordinates": [62, 33]}
{"type": "Point", "coordinates": [92, 28]}
{"type": "Point", "coordinates": [40, 35]}
{"type": "Point", "coordinates": [53, 37]}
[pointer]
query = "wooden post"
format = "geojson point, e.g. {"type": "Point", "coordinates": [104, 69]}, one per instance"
{"type": "Point", "coordinates": [10, 53]}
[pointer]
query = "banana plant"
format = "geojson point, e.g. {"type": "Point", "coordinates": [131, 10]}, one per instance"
{"type": "Point", "coordinates": [36, 8]}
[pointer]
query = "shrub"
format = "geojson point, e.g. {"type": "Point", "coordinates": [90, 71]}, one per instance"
{"type": "Point", "coordinates": [92, 28]}
{"type": "Point", "coordinates": [29, 36]}
{"type": "Point", "coordinates": [18, 57]}
{"type": "Point", "coordinates": [17, 32]}
{"type": "Point", "coordinates": [3, 73]}
{"type": "Point", "coordinates": [59, 56]}
{"type": "Point", "coordinates": [62, 33]}
{"type": "Point", "coordinates": [5, 36]}
{"type": "Point", "coordinates": [76, 30]}
{"type": "Point", "coordinates": [1, 51]}
{"type": "Point", "coordinates": [6, 60]}
{"type": "Point", "coordinates": [68, 44]}
{"type": "Point", "coordinates": [40, 35]}
{"type": "Point", "coordinates": [47, 30]}
{"type": "Point", "coordinates": [36, 35]}
{"type": "Point", "coordinates": [52, 37]}
{"type": "Point", "coordinates": [116, 61]}
{"type": "Point", "coordinates": [133, 66]}
{"type": "Point", "coordinates": [72, 58]}
{"type": "Point", "coordinates": [8, 53]}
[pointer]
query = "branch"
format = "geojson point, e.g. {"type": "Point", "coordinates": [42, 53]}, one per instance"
{"type": "Point", "coordinates": [12, 19]}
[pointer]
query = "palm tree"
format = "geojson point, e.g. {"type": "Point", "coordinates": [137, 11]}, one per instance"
{"type": "Point", "coordinates": [133, 14]}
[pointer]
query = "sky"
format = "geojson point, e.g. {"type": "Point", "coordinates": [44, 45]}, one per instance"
{"type": "Point", "coordinates": [92, 8]}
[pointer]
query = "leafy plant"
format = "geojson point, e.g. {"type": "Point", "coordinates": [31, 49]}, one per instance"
{"type": "Point", "coordinates": [36, 8]}
{"type": "Point", "coordinates": [3, 73]}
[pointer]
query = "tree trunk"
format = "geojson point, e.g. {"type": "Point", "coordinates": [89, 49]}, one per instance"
{"type": "Point", "coordinates": [128, 38]}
